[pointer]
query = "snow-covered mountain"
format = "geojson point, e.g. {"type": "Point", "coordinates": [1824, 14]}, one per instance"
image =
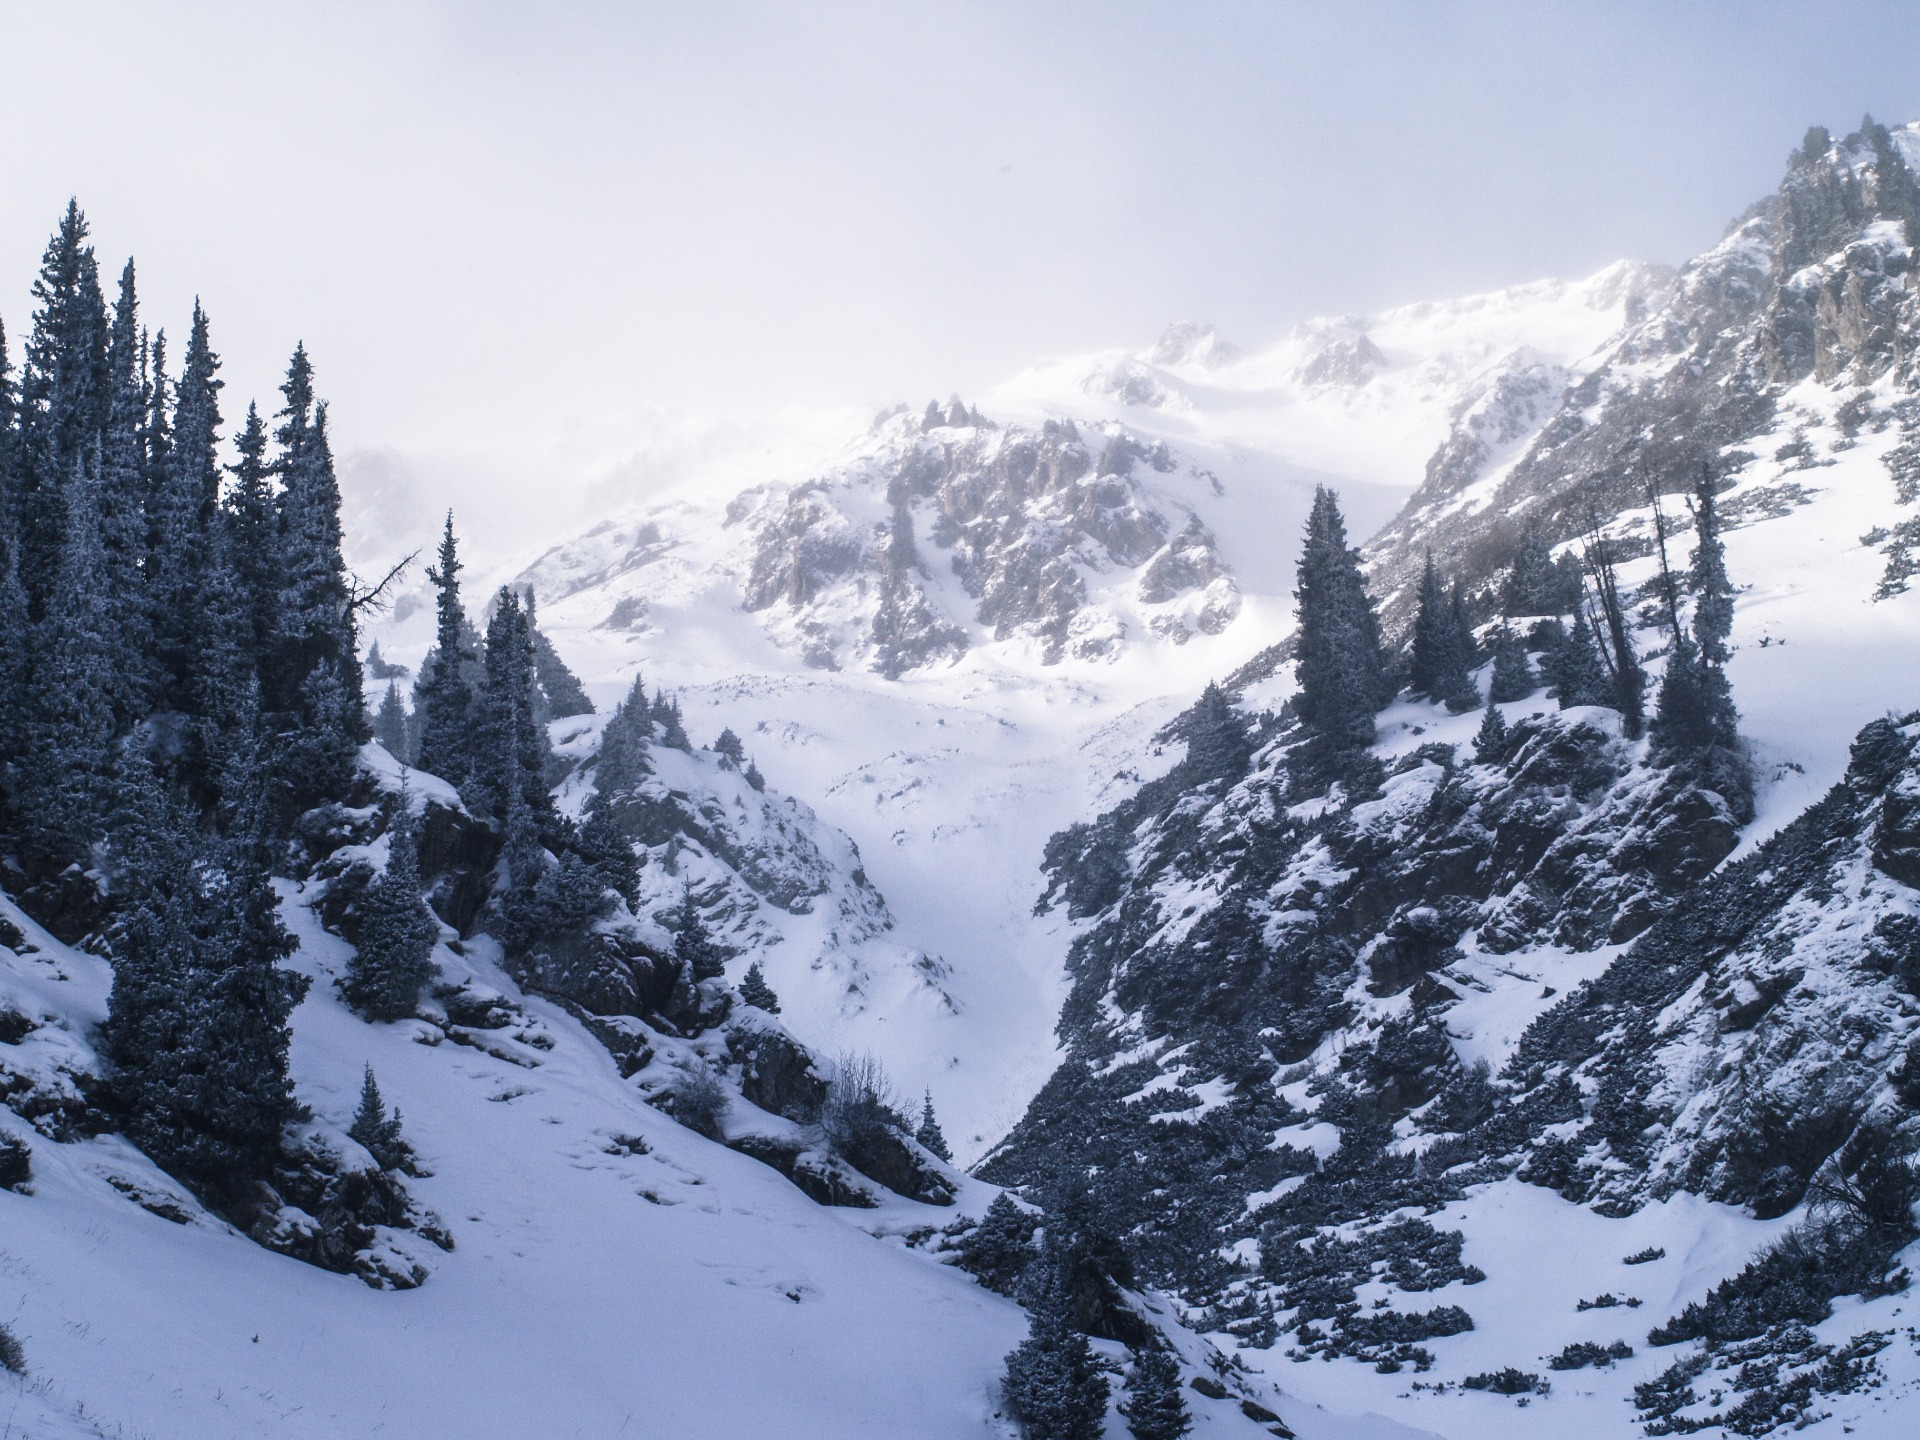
{"type": "Point", "coordinates": [1474, 1076]}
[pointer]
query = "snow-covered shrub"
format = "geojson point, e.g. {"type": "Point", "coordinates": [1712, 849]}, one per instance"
{"type": "Point", "coordinates": [859, 1109]}
{"type": "Point", "coordinates": [16, 1162]}
{"type": "Point", "coordinates": [699, 1099]}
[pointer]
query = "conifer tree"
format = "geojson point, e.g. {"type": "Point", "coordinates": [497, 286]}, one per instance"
{"type": "Point", "coordinates": [1533, 584]}
{"type": "Point", "coordinates": [1490, 741]}
{"type": "Point", "coordinates": [1217, 744]}
{"type": "Point", "coordinates": [390, 726]}
{"type": "Point", "coordinates": [673, 728]}
{"type": "Point", "coordinates": [181, 517]}
{"type": "Point", "coordinates": [606, 848]}
{"type": "Point", "coordinates": [623, 744]}
{"type": "Point", "coordinates": [1713, 606]}
{"type": "Point", "coordinates": [1338, 662]}
{"type": "Point", "coordinates": [753, 777]}
{"type": "Point", "coordinates": [1154, 1407]}
{"type": "Point", "coordinates": [998, 1250]}
{"type": "Point", "coordinates": [1628, 680]}
{"type": "Point", "coordinates": [444, 700]}
{"type": "Point", "coordinates": [122, 510]}
{"type": "Point", "coordinates": [69, 720]}
{"type": "Point", "coordinates": [729, 746]}
{"type": "Point", "coordinates": [755, 991]}
{"type": "Point", "coordinates": [510, 749]}
{"type": "Point", "coordinates": [394, 958]}
{"type": "Point", "coordinates": [929, 1133]}
{"type": "Point", "coordinates": [1052, 1385]}
{"type": "Point", "coordinates": [560, 687]}
{"type": "Point", "coordinates": [253, 538]}
{"type": "Point", "coordinates": [694, 949]}
{"type": "Point", "coordinates": [62, 399]}
{"type": "Point", "coordinates": [1576, 672]}
{"type": "Point", "coordinates": [1513, 677]}
{"type": "Point", "coordinates": [377, 1132]}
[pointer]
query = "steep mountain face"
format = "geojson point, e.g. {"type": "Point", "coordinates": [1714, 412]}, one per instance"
{"type": "Point", "coordinates": [1302, 1014]}
{"type": "Point", "coordinates": [1811, 285]}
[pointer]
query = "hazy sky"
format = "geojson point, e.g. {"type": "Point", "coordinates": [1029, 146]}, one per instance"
{"type": "Point", "coordinates": [543, 243]}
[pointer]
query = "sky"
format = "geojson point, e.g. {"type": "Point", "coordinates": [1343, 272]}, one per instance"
{"type": "Point", "coordinates": [546, 256]}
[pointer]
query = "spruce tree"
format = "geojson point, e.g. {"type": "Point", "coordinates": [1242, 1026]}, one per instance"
{"type": "Point", "coordinates": [1490, 741]}
{"type": "Point", "coordinates": [63, 393]}
{"type": "Point", "coordinates": [1576, 672]}
{"type": "Point", "coordinates": [394, 958]}
{"type": "Point", "coordinates": [998, 1250]}
{"type": "Point", "coordinates": [1052, 1385]}
{"type": "Point", "coordinates": [755, 991]}
{"type": "Point", "coordinates": [673, 728]}
{"type": "Point", "coordinates": [753, 777]}
{"type": "Point", "coordinates": [560, 688]}
{"type": "Point", "coordinates": [1628, 680]}
{"type": "Point", "coordinates": [1513, 677]}
{"type": "Point", "coordinates": [181, 517]}
{"type": "Point", "coordinates": [1217, 746]}
{"type": "Point", "coordinates": [253, 532]}
{"type": "Point", "coordinates": [1533, 584]}
{"type": "Point", "coordinates": [390, 723]}
{"type": "Point", "coordinates": [928, 1133]}
{"type": "Point", "coordinates": [122, 509]}
{"type": "Point", "coordinates": [510, 749]}
{"type": "Point", "coordinates": [1342, 676]}
{"type": "Point", "coordinates": [694, 949]}
{"type": "Point", "coordinates": [729, 746]}
{"type": "Point", "coordinates": [1432, 648]}
{"type": "Point", "coordinates": [68, 719]}
{"type": "Point", "coordinates": [377, 1132]}
{"type": "Point", "coordinates": [1713, 605]}
{"type": "Point", "coordinates": [605, 846]}
{"type": "Point", "coordinates": [443, 699]}
{"type": "Point", "coordinates": [623, 745]}
{"type": "Point", "coordinates": [1154, 1407]}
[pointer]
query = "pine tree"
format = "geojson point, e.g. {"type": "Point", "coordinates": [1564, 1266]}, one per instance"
{"type": "Point", "coordinates": [1713, 606]}
{"type": "Point", "coordinates": [444, 700]}
{"type": "Point", "coordinates": [1513, 677]}
{"type": "Point", "coordinates": [316, 649]}
{"type": "Point", "coordinates": [928, 1133]}
{"type": "Point", "coordinates": [998, 1250]}
{"type": "Point", "coordinates": [694, 949]}
{"type": "Point", "coordinates": [729, 746]}
{"type": "Point", "coordinates": [623, 745]}
{"type": "Point", "coordinates": [181, 519]}
{"type": "Point", "coordinates": [1052, 1385]}
{"type": "Point", "coordinates": [1432, 648]}
{"type": "Point", "coordinates": [69, 720]}
{"type": "Point", "coordinates": [1154, 1407]}
{"type": "Point", "coordinates": [1217, 746]}
{"type": "Point", "coordinates": [197, 1019]}
{"type": "Point", "coordinates": [1576, 672]}
{"type": "Point", "coordinates": [390, 723]}
{"type": "Point", "coordinates": [1628, 680]}
{"type": "Point", "coordinates": [1341, 674]}
{"type": "Point", "coordinates": [122, 509]}
{"type": "Point", "coordinates": [1533, 584]}
{"type": "Point", "coordinates": [394, 958]}
{"type": "Point", "coordinates": [560, 687]}
{"type": "Point", "coordinates": [253, 532]}
{"type": "Point", "coordinates": [377, 1132]}
{"type": "Point", "coordinates": [673, 728]}
{"type": "Point", "coordinates": [510, 749]}
{"type": "Point", "coordinates": [1490, 741]}
{"type": "Point", "coordinates": [755, 991]}
{"type": "Point", "coordinates": [605, 846]}
{"type": "Point", "coordinates": [62, 400]}
{"type": "Point", "coordinates": [754, 778]}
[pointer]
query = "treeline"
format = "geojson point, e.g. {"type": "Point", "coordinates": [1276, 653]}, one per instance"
{"type": "Point", "coordinates": [179, 681]}
{"type": "Point", "coordinates": [1576, 619]}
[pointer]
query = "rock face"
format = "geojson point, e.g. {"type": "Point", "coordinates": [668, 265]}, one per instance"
{"type": "Point", "coordinates": [946, 530]}
{"type": "Point", "coordinates": [1736, 1049]}
{"type": "Point", "coordinates": [1813, 283]}
{"type": "Point", "coordinates": [1244, 923]}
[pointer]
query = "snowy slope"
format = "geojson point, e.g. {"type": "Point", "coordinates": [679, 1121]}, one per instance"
{"type": "Point", "coordinates": [950, 776]}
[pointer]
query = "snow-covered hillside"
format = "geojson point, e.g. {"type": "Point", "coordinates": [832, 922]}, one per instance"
{"type": "Point", "coordinates": [952, 699]}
